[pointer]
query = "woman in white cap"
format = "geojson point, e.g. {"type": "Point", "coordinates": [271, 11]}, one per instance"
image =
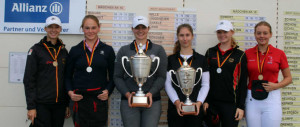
{"type": "Point", "coordinates": [263, 103]}
{"type": "Point", "coordinates": [141, 116]}
{"type": "Point", "coordinates": [89, 76]}
{"type": "Point", "coordinates": [228, 77]}
{"type": "Point", "coordinates": [46, 97]}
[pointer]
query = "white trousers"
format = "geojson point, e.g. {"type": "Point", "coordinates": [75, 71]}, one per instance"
{"type": "Point", "coordinates": [264, 113]}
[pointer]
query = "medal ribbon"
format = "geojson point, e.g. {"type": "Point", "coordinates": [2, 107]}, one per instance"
{"type": "Point", "coordinates": [181, 62]}
{"type": "Point", "coordinates": [89, 60]}
{"type": "Point", "coordinates": [55, 55]}
{"type": "Point", "coordinates": [136, 47]}
{"type": "Point", "coordinates": [218, 56]}
{"type": "Point", "coordinates": [54, 58]}
{"type": "Point", "coordinates": [260, 67]}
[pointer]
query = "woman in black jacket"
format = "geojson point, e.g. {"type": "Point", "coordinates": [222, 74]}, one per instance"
{"type": "Point", "coordinates": [228, 77]}
{"type": "Point", "coordinates": [89, 76]}
{"type": "Point", "coordinates": [45, 92]}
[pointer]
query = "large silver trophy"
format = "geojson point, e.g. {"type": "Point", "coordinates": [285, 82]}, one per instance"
{"type": "Point", "coordinates": [186, 79]}
{"type": "Point", "coordinates": [140, 65]}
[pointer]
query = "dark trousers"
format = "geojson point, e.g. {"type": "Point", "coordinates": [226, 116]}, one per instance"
{"type": "Point", "coordinates": [226, 112]}
{"type": "Point", "coordinates": [90, 112]}
{"type": "Point", "coordinates": [49, 115]}
{"type": "Point", "coordinates": [174, 120]}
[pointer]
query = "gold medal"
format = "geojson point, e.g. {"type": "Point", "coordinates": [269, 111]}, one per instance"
{"type": "Point", "coordinates": [54, 57]}
{"type": "Point", "coordinates": [260, 77]}
{"type": "Point", "coordinates": [260, 65]}
{"type": "Point", "coordinates": [55, 63]}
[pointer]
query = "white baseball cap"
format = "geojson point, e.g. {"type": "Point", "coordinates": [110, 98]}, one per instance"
{"type": "Point", "coordinates": [140, 20]}
{"type": "Point", "coordinates": [224, 25]}
{"type": "Point", "coordinates": [52, 20]}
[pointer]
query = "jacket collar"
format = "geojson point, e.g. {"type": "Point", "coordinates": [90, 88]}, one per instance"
{"type": "Point", "coordinates": [192, 57]}
{"type": "Point", "coordinates": [100, 44]}
{"type": "Point", "coordinates": [217, 47]}
{"type": "Point", "coordinates": [48, 43]}
{"type": "Point", "coordinates": [271, 48]}
{"type": "Point", "coordinates": [132, 47]}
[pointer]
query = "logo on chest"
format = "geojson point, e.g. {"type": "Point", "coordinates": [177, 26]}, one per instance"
{"type": "Point", "coordinates": [269, 60]}
{"type": "Point", "coordinates": [102, 52]}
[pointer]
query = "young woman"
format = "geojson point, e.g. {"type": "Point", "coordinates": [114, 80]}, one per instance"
{"type": "Point", "coordinates": [228, 77]}
{"type": "Point", "coordinates": [89, 76]}
{"type": "Point", "coordinates": [140, 116]}
{"type": "Point", "coordinates": [46, 97]}
{"type": "Point", "coordinates": [264, 63]}
{"type": "Point", "coordinates": [183, 48]}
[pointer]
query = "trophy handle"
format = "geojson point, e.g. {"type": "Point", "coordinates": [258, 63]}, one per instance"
{"type": "Point", "coordinates": [123, 58]}
{"type": "Point", "coordinates": [172, 71]}
{"type": "Point", "coordinates": [158, 60]}
{"type": "Point", "coordinates": [199, 68]}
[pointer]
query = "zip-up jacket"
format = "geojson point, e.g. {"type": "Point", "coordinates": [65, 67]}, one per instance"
{"type": "Point", "coordinates": [231, 84]}
{"type": "Point", "coordinates": [154, 84]}
{"type": "Point", "coordinates": [43, 82]}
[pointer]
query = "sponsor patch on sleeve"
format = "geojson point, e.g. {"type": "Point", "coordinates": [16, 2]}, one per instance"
{"type": "Point", "coordinates": [30, 51]}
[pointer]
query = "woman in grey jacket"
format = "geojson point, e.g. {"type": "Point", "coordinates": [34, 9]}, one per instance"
{"type": "Point", "coordinates": [141, 116]}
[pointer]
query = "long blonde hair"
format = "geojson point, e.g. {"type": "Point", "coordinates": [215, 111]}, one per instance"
{"type": "Point", "coordinates": [233, 42]}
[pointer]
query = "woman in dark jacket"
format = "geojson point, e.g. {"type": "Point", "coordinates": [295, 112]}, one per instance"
{"type": "Point", "coordinates": [45, 92]}
{"type": "Point", "coordinates": [141, 116]}
{"type": "Point", "coordinates": [89, 76]}
{"type": "Point", "coordinates": [228, 77]}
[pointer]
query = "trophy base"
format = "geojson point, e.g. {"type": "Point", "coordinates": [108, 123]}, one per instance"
{"type": "Point", "coordinates": [189, 110]}
{"type": "Point", "coordinates": [139, 101]}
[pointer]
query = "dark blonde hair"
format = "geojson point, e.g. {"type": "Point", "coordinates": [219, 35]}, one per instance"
{"type": "Point", "coordinates": [233, 42]}
{"type": "Point", "coordinates": [90, 17]}
{"type": "Point", "coordinates": [263, 23]}
{"type": "Point", "coordinates": [177, 44]}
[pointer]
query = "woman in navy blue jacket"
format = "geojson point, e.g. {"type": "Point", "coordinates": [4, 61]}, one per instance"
{"type": "Point", "coordinates": [89, 76]}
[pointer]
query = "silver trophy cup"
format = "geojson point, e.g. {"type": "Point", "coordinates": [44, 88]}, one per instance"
{"type": "Point", "coordinates": [186, 81]}
{"type": "Point", "coordinates": [140, 65]}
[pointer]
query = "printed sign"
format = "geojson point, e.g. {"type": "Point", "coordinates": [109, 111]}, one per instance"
{"type": "Point", "coordinates": [29, 16]}
{"type": "Point", "coordinates": [36, 11]}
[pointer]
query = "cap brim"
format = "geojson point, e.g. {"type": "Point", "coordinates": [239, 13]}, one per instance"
{"type": "Point", "coordinates": [138, 25]}
{"type": "Point", "coordinates": [52, 24]}
{"type": "Point", "coordinates": [223, 29]}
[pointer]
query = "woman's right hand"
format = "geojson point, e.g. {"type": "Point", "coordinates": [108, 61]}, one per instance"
{"type": "Point", "coordinates": [178, 105]}
{"type": "Point", "coordinates": [31, 114]}
{"type": "Point", "coordinates": [75, 97]}
{"type": "Point", "coordinates": [205, 107]}
{"type": "Point", "coordinates": [129, 97]}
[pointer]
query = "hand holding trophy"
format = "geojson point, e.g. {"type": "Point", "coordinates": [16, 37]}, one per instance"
{"type": "Point", "coordinates": [140, 65]}
{"type": "Point", "coordinates": [186, 78]}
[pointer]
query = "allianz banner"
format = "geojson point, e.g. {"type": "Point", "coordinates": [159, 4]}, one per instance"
{"type": "Point", "coordinates": [29, 16]}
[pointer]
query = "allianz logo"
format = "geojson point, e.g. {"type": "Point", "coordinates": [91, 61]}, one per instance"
{"type": "Point", "coordinates": [55, 8]}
